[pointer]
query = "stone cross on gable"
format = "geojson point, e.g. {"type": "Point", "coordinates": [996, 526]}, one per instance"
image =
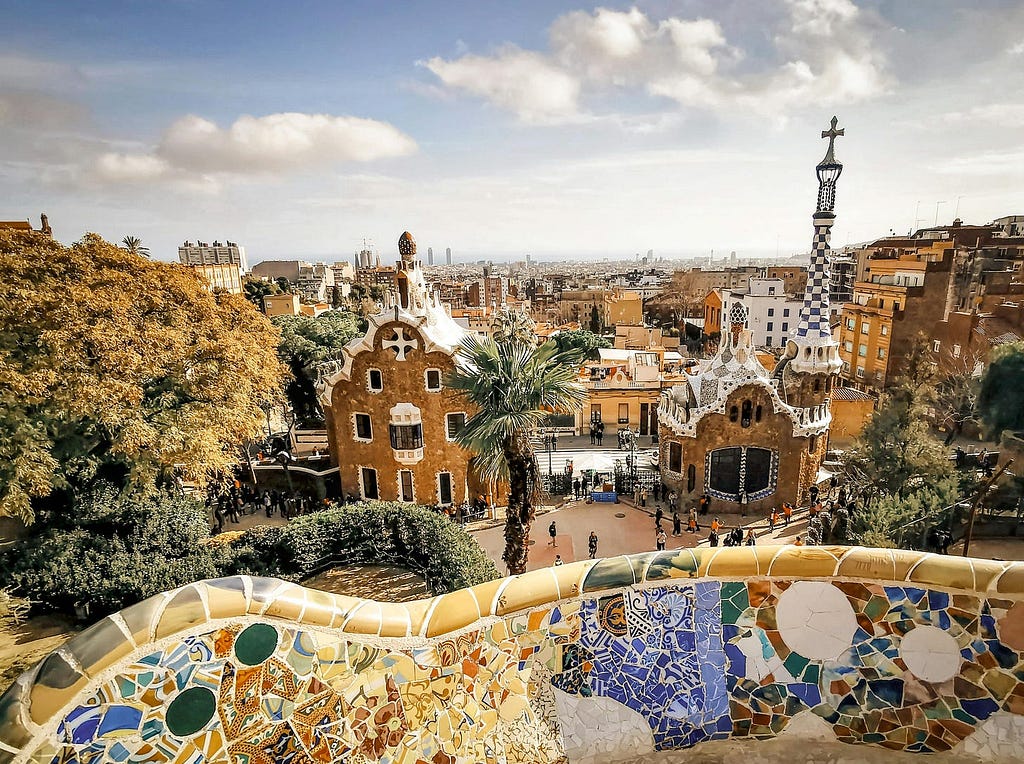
{"type": "Point", "coordinates": [832, 133]}
{"type": "Point", "coordinates": [400, 343]}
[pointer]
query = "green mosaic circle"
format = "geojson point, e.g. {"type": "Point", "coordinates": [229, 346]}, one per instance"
{"type": "Point", "coordinates": [190, 711]}
{"type": "Point", "coordinates": [256, 644]}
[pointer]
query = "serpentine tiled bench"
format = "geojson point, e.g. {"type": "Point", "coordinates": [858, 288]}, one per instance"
{"type": "Point", "coordinates": [591, 661]}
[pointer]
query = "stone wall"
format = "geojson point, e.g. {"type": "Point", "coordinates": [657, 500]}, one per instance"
{"type": "Point", "coordinates": [403, 381]}
{"type": "Point", "coordinates": [612, 660]}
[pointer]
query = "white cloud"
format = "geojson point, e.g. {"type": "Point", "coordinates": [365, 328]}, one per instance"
{"type": "Point", "coordinates": [129, 168]}
{"type": "Point", "coordinates": [520, 81]}
{"type": "Point", "coordinates": [274, 143]}
{"type": "Point", "coordinates": [1016, 50]}
{"type": "Point", "coordinates": [825, 50]}
{"type": "Point", "coordinates": [1001, 114]}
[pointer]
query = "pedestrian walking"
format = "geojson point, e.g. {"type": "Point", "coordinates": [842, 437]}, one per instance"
{"type": "Point", "coordinates": [656, 490]}
{"type": "Point", "coordinates": [773, 518]}
{"type": "Point", "coordinates": [232, 511]}
{"type": "Point", "coordinates": [716, 525]}
{"type": "Point", "coordinates": [576, 488]}
{"type": "Point", "coordinates": [660, 539]}
{"type": "Point", "coordinates": [558, 560]}
{"type": "Point", "coordinates": [552, 532]}
{"type": "Point", "coordinates": [600, 433]}
{"type": "Point", "coordinates": [592, 545]}
{"type": "Point", "coordinates": [712, 539]}
{"type": "Point", "coordinates": [814, 494]}
{"type": "Point", "coordinates": [585, 483]}
{"type": "Point", "coordinates": [593, 436]}
{"type": "Point", "coordinates": [787, 512]}
{"type": "Point", "coordinates": [219, 517]}
{"type": "Point", "coordinates": [677, 524]}
{"type": "Point", "coordinates": [705, 504]}
{"type": "Point", "coordinates": [743, 503]}
{"type": "Point", "coordinates": [694, 523]}
{"type": "Point", "coordinates": [736, 534]}
{"type": "Point", "coordinates": [658, 514]}
{"type": "Point", "coordinates": [751, 538]}
{"type": "Point", "coordinates": [554, 441]}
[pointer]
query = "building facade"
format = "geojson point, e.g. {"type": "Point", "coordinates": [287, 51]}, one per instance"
{"type": "Point", "coordinates": [772, 313]}
{"type": "Point", "coordinates": [391, 423]}
{"type": "Point", "coordinates": [201, 253]}
{"type": "Point", "coordinates": [225, 277]}
{"type": "Point", "coordinates": [749, 438]}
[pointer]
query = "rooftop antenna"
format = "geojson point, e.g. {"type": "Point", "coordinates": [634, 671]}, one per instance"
{"type": "Point", "coordinates": [917, 217]}
{"type": "Point", "coordinates": [956, 212]}
{"type": "Point", "coordinates": [937, 211]}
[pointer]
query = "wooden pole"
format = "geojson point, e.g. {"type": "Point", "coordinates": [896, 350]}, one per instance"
{"type": "Point", "coordinates": [969, 536]}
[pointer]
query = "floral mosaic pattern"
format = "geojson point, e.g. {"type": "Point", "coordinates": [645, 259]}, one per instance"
{"type": "Point", "coordinates": [281, 694]}
{"type": "Point", "coordinates": [647, 652]}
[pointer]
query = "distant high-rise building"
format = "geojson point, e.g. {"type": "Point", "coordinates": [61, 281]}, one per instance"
{"type": "Point", "coordinates": [202, 253]}
{"type": "Point", "coordinates": [430, 255]}
{"type": "Point", "coordinates": [448, 256]}
{"type": "Point", "coordinates": [528, 260]}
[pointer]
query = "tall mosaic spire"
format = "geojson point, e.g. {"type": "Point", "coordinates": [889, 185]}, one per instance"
{"type": "Point", "coordinates": [813, 349]}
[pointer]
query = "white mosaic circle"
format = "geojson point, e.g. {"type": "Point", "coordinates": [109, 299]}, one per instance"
{"type": "Point", "coordinates": [930, 653]}
{"type": "Point", "coordinates": [815, 620]}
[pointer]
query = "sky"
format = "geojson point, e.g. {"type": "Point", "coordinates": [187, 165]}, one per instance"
{"type": "Point", "coordinates": [559, 129]}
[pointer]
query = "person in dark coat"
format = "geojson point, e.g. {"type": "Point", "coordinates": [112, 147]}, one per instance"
{"type": "Point", "coordinates": [677, 524]}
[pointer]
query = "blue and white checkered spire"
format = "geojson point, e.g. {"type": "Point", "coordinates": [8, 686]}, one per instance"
{"type": "Point", "coordinates": [813, 349]}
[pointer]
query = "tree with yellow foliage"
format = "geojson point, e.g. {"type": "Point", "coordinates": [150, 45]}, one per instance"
{"type": "Point", "coordinates": [118, 368]}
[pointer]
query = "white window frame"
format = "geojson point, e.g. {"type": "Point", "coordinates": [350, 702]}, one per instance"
{"type": "Point", "coordinates": [465, 419]}
{"type": "Point", "coordinates": [884, 330]}
{"type": "Point", "coordinates": [355, 429]}
{"type": "Point", "coordinates": [936, 345]}
{"type": "Point", "coordinates": [451, 480]}
{"type": "Point", "coordinates": [369, 386]}
{"type": "Point", "coordinates": [956, 350]}
{"type": "Point", "coordinates": [426, 383]}
{"type": "Point", "coordinates": [362, 487]}
{"type": "Point", "coordinates": [398, 483]}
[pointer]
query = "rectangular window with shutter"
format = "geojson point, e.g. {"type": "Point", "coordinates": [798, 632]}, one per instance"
{"type": "Point", "coordinates": [444, 488]}
{"type": "Point", "coordinates": [454, 424]}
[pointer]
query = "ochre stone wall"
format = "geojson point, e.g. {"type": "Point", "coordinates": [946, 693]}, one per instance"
{"type": "Point", "coordinates": [595, 661]}
{"type": "Point", "coordinates": [796, 467]}
{"type": "Point", "coordinates": [404, 382]}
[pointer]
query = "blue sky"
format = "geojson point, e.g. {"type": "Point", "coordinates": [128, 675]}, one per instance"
{"type": "Point", "coordinates": [496, 128]}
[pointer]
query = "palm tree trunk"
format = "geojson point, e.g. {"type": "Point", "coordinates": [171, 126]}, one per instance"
{"type": "Point", "coordinates": [522, 474]}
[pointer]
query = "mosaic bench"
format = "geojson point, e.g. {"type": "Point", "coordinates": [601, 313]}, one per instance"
{"type": "Point", "coordinates": [592, 661]}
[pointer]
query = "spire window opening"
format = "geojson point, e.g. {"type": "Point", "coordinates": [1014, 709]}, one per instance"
{"type": "Point", "coordinates": [734, 414]}
{"type": "Point", "coordinates": [747, 409]}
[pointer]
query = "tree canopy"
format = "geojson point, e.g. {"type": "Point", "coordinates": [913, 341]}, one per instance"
{"type": "Point", "coordinates": [119, 367]}
{"type": "Point", "coordinates": [585, 341]}
{"type": "Point", "coordinates": [1001, 398]}
{"type": "Point", "coordinates": [513, 387]}
{"type": "Point", "coordinates": [307, 346]}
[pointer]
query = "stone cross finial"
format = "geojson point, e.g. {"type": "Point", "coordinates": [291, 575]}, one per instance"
{"type": "Point", "coordinates": [832, 133]}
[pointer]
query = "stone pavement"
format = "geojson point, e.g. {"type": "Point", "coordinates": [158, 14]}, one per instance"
{"type": "Point", "coordinates": [621, 529]}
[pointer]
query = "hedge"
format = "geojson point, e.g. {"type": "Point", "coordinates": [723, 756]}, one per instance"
{"type": "Point", "coordinates": [371, 533]}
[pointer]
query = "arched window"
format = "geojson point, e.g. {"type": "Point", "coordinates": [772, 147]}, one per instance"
{"type": "Point", "coordinates": [741, 469]}
{"type": "Point", "coordinates": [691, 478]}
{"type": "Point", "coordinates": [747, 410]}
{"type": "Point", "coordinates": [812, 444]}
{"type": "Point", "coordinates": [734, 414]}
{"type": "Point", "coordinates": [757, 414]}
{"type": "Point", "coordinates": [817, 385]}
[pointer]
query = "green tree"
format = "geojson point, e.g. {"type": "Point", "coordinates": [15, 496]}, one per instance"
{"type": "Point", "coordinates": [309, 346]}
{"type": "Point", "coordinates": [956, 395]}
{"type": "Point", "coordinates": [117, 367]}
{"type": "Point", "coordinates": [1001, 397]}
{"type": "Point", "coordinates": [585, 341]}
{"type": "Point", "coordinates": [255, 289]}
{"type": "Point", "coordinates": [134, 245]}
{"type": "Point", "coordinates": [112, 551]}
{"type": "Point", "coordinates": [513, 386]}
{"type": "Point", "coordinates": [596, 325]}
{"type": "Point", "coordinates": [902, 520]}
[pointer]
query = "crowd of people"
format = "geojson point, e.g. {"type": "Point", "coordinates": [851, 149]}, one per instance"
{"type": "Point", "coordinates": [228, 505]}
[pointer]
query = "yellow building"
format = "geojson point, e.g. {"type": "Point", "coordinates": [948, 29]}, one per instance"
{"type": "Point", "coordinates": [281, 305]}
{"type": "Point", "coordinates": [625, 307]}
{"type": "Point", "coordinates": [851, 410]}
{"type": "Point", "coordinates": [225, 277]}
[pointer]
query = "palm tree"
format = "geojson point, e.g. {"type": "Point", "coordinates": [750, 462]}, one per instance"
{"type": "Point", "coordinates": [134, 245]}
{"type": "Point", "coordinates": [513, 386]}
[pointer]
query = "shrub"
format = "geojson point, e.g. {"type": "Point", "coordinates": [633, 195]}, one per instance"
{"type": "Point", "coordinates": [375, 533]}
{"type": "Point", "coordinates": [120, 550]}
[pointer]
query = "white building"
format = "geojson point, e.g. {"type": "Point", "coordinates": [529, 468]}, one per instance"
{"type": "Point", "coordinates": [314, 281]}
{"type": "Point", "coordinates": [217, 253]}
{"type": "Point", "coordinates": [772, 314]}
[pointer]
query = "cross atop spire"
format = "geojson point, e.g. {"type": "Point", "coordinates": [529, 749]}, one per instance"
{"type": "Point", "coordinates": [832, 133]}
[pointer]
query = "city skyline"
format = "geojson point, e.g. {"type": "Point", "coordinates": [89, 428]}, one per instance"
{"type": "Point", "coordinates": [563, 130]}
